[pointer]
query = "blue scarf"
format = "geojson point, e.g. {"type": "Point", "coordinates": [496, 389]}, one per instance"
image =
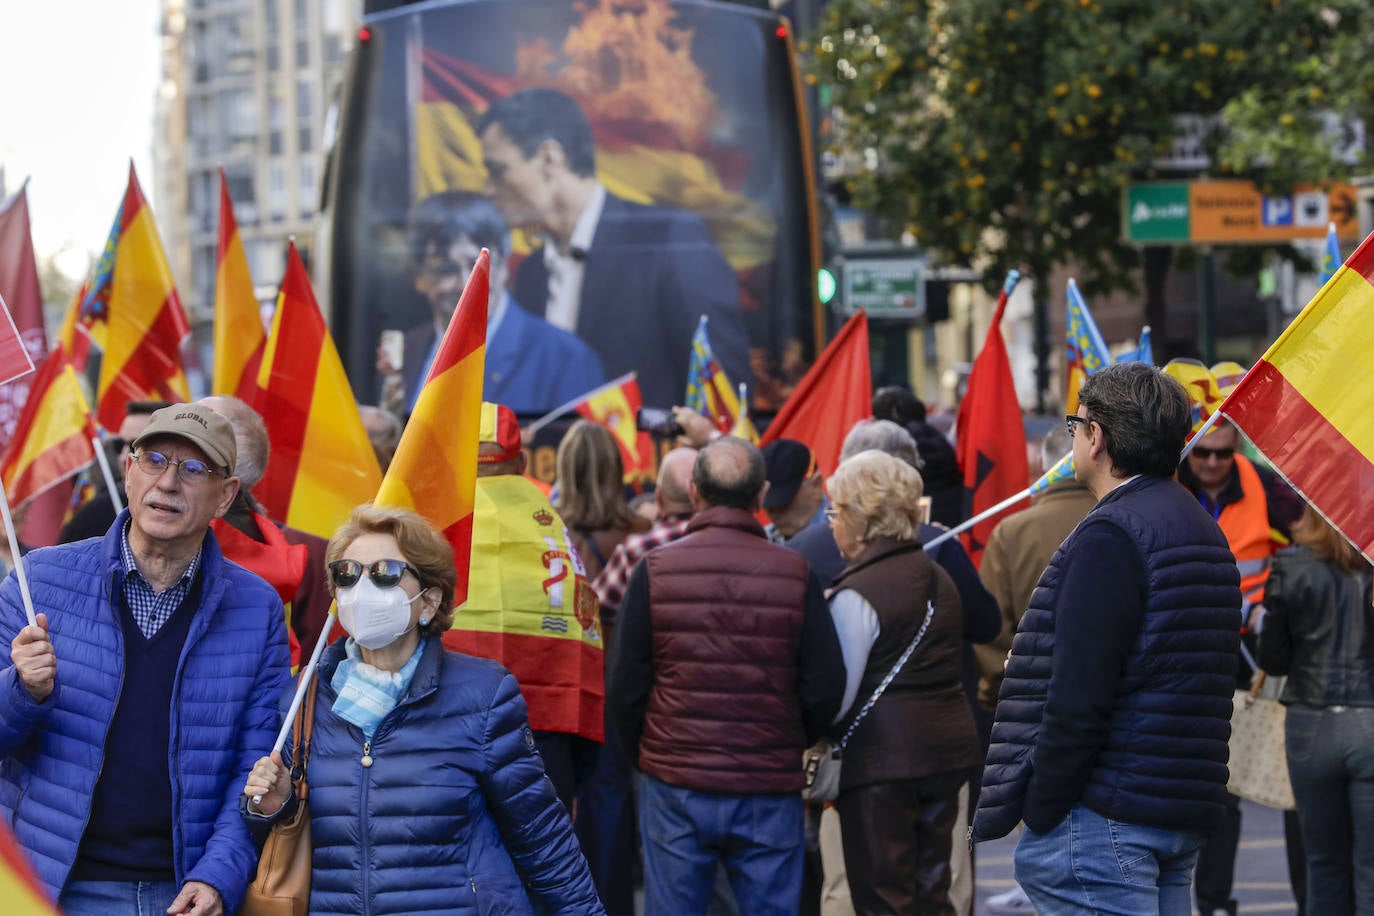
{"type": "Point", "coordinates": [367, 693]}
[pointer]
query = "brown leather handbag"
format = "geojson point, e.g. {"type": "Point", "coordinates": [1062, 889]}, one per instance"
{"type": "Point", "coordinates": [282, 885]}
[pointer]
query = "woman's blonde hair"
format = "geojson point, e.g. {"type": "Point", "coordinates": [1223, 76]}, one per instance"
{"type": "Point", "coordinates": [591, 488]}
{"type": "Point", "coordinates": [421, 546]}
{"type": "Point", "coordinates": [877, 495]}
{"type": "Point", "coordinates": [1326, 543]}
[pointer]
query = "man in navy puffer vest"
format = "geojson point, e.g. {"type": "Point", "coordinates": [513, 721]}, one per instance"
{"type": "Point", "coordinates": [1112, 723]}
{"type": "Point", "coordinates": [132, 711]}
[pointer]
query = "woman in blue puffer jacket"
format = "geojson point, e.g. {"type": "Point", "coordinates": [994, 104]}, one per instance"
{"type": "Point", "coordinates": [426, 792]}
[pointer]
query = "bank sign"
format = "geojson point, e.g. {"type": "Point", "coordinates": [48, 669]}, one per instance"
{"type": "Point", "coordinates": [1233, 212]}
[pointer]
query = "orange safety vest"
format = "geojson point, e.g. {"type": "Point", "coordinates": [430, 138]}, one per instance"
{"type": "Point", "coordinates": [1246, 526]}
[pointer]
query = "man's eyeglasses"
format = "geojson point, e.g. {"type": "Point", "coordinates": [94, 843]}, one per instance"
{"type": "Point", "coordinates": [1072, 419]}
{"type": "Point", "coordinates": [832, 513]}
{"type": "Point", "coordinates": [1221, 454]}
{"type": "Point", "coordinates": [190, 471]}
{"type": "Point", "coordinates": [383, 573]}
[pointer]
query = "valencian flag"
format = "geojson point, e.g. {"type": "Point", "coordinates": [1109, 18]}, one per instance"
{"type": "Point", "coordinates": [1197, 380]}
{"type": "Point", "coordinates": [835, 393]}
{"type": "Point", "coordinates": [1307, 404]}
{"type": "Point", "coordinates": [435, 468]}
{"type": "Point", "coordinates": [239, 335]}
{"type": "Point", "coordinates": [52, 441]}
{"type": "Point", "coordinates": [1087, 350]}
{"type": "Point", "coordinates": [709, 391]}
{"type": "Point", "coordinates": [1331, 255]}
{"type": "Point", "coordinates": [1143, 352]}
{"type": "Point", "coordinates": [529, 604]}
{"type": "Point", "coordinates": [322, 461]}
{"type": "Point", "coordinates": [20, 888]}
{"type": "Point", "coordinates": [991, 436]}
{"type": "Point", "coordinates": [134, 315]}
{"type": "Point", "coordinates": [614, 405]}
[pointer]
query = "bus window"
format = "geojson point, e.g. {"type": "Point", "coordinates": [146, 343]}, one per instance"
{"type": "Point", "coordinates": [632, 165]}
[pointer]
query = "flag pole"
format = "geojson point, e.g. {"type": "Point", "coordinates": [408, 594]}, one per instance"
{"type": "Point", "coordinates": [18, 561]}
{"type": "Point", "coordinates": [558, 411]}
{"type": "Point", "coordinates": [1013, 500]}
{"type": "Point", "coordinates": [301, 686]}
{"type": "Point", "coordinates": [103, 460]}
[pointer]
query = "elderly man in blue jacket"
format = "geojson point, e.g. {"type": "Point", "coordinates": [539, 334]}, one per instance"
{"type": "Point", "coordinates": [132, 711]}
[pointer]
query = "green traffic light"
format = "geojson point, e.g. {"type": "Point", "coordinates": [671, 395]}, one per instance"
{"type": "Point", "coordinates": [825, 286]}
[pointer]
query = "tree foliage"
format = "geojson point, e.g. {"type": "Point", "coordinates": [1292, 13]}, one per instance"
{"type": "Point", "coordinates": [1002, 133]}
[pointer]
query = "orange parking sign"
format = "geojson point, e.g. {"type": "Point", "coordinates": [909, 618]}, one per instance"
{"type": "Point", "coordinates": [1236, 212]}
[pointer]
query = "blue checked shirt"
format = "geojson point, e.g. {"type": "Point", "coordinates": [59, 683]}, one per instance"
{"type": "Point", "coordinates": [152, 609]}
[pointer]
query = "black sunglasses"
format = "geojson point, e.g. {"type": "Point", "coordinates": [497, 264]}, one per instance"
{"type": "Point", "coordinates": [383, 573]}
{"type": "Point", "coordinates": [1221, 453]}
{"type": "Point", "coordinates": [1071, 420]}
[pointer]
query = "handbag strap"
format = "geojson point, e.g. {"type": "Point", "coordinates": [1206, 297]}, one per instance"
{"type": "Point", "coordinates": [301, 732]}
{"type": "Point", "coordinates": [896, 668]}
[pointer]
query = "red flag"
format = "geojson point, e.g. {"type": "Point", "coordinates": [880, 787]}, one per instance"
{"type": "Point", "coordinates": [52, 442]}
{"type": "Point", "coordinates": [991, 436]}
{"type": "Point", "coordinates": [21, 293]}
{"type": "Point", "coordinates": [835, 393]}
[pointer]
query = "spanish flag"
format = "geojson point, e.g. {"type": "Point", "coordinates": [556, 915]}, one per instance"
{"type": "Point", "coordinates": [52, 440]}
{"type": "Point", "coordinates": [322, 463]}
{"type": "Point", "coordinates": [1308, 404]}
{"type": "Point", "coordinates": [19, 887]}
{"type": "Point", "coordinates": [239, 335]}
{"type": "Point", "coordinates": [614, 405]}
{"type": "Point", "coordinates": [435, 468]}
{"type": "Point", "coordinates": [134, 314]}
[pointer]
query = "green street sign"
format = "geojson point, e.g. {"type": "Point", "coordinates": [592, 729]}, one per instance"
{"type": "Point", "coordinates": [1156, 213]}
{"type": "Point", "coordinates": [885, 286]}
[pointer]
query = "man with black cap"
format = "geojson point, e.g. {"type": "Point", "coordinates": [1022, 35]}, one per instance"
{"type": "Point", "coordinates": [133, 709]}
{"type": "Point", "coordinates": [796, 493]}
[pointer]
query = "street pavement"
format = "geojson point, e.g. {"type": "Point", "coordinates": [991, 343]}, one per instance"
{"type": "Point", "coordinates": [1261, 865]}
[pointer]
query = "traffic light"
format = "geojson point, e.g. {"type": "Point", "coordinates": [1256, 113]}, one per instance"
{"type": "Point", "coordinates": [825, 285]}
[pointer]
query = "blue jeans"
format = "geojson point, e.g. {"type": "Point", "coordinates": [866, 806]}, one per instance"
{"type": "Point", "coordinates": [118, 898]}
{"type": "Point", "coordinates": [1090, 864]}
{"type": "Point", "coordinates": [757, 838]}
{"type": "Point", "coordinates": [1331, 765]}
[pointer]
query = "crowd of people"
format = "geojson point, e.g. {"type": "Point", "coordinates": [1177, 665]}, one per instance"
{"type": "Point", "coordinates": [620, 709]}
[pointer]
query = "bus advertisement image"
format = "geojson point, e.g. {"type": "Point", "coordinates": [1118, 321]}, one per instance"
{"type": "Point", "coordinates": [632, 165]}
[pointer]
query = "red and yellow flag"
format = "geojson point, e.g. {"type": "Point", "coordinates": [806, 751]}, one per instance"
{"type": "Point", "coordinates": [435, 468]}
{"type": "Point", "coordinates": [835, 393]}
{"type": "Point", "coordinates": [134, 314]}
{"type": "Point", "coordinates": [19, 887]}
{"type": "Point", "coordinates": [1306, 404]}
{"type": "Point", "coordinates": [52, 440]}
{"type": "Point", "coordinates": [1201, 386]}
{"type": "Point", "coordinates": [239, 335]}
{"type": "Point", "coordinates": [614, 405]}
{"type": "Point", "coordinates": [322, 463]}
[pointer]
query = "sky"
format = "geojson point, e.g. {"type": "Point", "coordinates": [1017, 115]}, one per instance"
{"type": "Point", "coordinates": [77, 86]}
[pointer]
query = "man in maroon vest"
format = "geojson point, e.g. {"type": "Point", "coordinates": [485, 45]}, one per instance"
{"type": "Point", "coordinates": [724, 669]}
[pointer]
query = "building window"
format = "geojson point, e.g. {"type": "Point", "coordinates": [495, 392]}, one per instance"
{"type": "Point", "coordinates": [303, 140]}
{"type": "Point", "coordinates": [276, 190]}
{"type": "Point", "coordinates": [309, 193]}
{"type": "Point", "coordinates": [302, 53]}
{"type": "Point", "coordinates": [304, 108]}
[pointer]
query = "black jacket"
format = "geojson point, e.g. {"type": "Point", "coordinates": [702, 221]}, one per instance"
{"type": "Point", "coordinates": [1319, 630]}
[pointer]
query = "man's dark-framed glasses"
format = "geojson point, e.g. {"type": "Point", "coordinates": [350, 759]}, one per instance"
{"type": "Point", "coordinates": [1072, 419]}
{"type": "Point", "coordinates": [1221, 454]}
{"type": "Point", "coordinates": [383, 573]}
{"type": "Point", "coordinates": [190, 471]}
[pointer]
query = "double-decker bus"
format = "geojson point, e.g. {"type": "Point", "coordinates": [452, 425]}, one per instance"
{"type": "Point", "coordinates": [702, 198]}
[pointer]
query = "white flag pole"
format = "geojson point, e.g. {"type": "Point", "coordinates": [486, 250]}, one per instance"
{"type": "Point", "coordinates": [303, 683]}
{"type": "Point", "coordinates": [18, 562]}
{"type": "Point", "coordinates": [105, 471]}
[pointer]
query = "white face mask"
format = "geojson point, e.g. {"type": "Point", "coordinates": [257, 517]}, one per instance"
{"type": "Point", "coordinates": [374, 616]}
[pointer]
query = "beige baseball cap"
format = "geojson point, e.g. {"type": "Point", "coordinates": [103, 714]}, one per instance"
{"type": "Point", "coordinates": [203, 427]}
